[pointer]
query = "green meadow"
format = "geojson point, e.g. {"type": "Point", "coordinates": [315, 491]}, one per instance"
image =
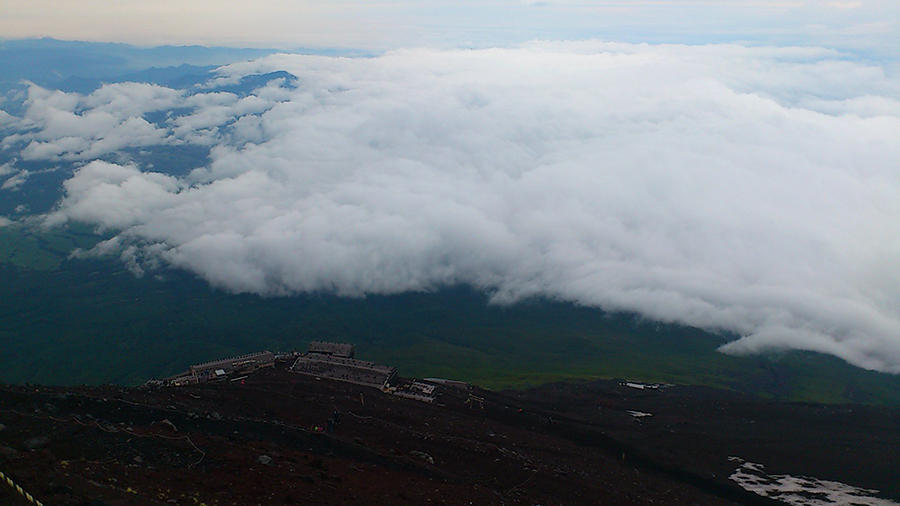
{"type": "Point", "coordinates": [86, 321]}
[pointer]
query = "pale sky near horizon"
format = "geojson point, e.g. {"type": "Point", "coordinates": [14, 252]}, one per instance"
{"type": "Point", "coordinates": [868, 26]}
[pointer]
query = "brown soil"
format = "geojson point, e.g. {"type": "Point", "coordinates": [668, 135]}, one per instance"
{"type": "Point", "coordinates": [255, 444]}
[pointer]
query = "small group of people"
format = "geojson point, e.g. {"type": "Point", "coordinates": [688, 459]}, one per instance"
{"type": "Point", "coordinates": [330, 423]}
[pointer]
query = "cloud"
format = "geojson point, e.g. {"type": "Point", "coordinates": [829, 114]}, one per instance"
{"type": "Point", "coordinates": [15, 181]}
{"type": "Point", "coordinates": [5, 117]}
{"type": "Point", "coordinates": [68, 126]}
{"type": "Point", "coordinates": [751, 190]}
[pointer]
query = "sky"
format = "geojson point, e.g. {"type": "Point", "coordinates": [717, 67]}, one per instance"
{"type": "Point", "coordinates": [730, 165]}
{"type": "Point", "coordinates": [871, 27]}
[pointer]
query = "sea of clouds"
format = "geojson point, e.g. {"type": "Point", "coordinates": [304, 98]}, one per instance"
{"type": "Point", "coordinates": [750, 190]}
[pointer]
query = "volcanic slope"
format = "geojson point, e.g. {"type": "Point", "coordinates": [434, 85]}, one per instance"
{"type": "Point", "coordinates": [254, 442]}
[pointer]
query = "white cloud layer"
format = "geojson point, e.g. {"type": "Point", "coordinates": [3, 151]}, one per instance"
{"type": "Point", "coordinates": [15, 181]}
{"type": "Point", "coordinates": [77, 127]}
{"type": "Point", "coordinates": [750, 190]}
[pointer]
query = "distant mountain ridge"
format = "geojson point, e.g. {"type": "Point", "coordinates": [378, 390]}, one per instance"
{"type": "Point", "coordinates": [81, 66]}
{"type": "Point", "coordinates": [74, 66]}
{"type": "Point", "coordinates": [178, 77]}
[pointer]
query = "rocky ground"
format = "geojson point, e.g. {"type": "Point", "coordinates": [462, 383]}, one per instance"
{"type": "Point", "coordinates": [254, 442]}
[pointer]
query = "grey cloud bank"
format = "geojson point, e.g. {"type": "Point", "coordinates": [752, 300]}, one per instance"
{"type": "Point", "coordinates": [750, 190]}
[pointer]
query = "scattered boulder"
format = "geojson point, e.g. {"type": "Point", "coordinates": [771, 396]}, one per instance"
{"type": "Point", "coordinates": [330, 477]}
{"type": "Point", "coordinates": [58, 488]}
{"type": "Point", "coordinates": [169, 424]}
{"type": "Point", "coordinates": [7, 453]}
{"type": "Point", "coordinates": [36, 443]}
{"type": "Point", "coordinates": [138, 460]}
{"type": "Point", "coordinates": [318, 464]}
{"type": "Point", "coordinates": [264, 460]}
{"type": "Point", "coordinates": [422, 455]}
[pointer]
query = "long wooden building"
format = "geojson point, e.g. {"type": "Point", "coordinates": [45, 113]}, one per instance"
{"type": "Point", "coordinates": [334, 361]}
{"type": "Point", "coordinates": [222, 369]}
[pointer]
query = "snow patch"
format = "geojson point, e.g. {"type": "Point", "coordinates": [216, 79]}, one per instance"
{"type": "Point", "coordinates": [642, 386]}
{"type": "Point", "coordinates": [803, 490]}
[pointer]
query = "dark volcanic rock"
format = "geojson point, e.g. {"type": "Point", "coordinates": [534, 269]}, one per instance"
{"type": "Point", "coordinates": [573, 444]}
{"type": "Point", "coordinates": [36, 443]}
{"type": "Point", "coordinates": [8, 453]}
